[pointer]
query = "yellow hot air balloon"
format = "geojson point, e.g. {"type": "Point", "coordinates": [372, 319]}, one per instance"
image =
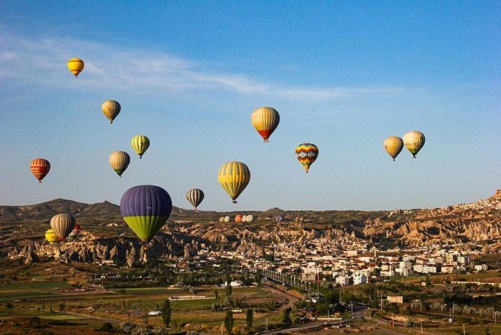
{"type": "Point", "coordinates": [51, 237]}
{"type": "Point", "coordinates": [234, 178]}
{"type": "Point", "coordinates": [414, 141]}
{"type": "Point", "coordinates": [140, 144]}
{"type": "Point", "coordinates": [265, 120]}
{"type": "Point", "coordinates": [119, 161]}
{"type": "Point", "coordinates": [76, 65]}
{"type": "Point", "coordinates": [111, 109]}
{"type": "Point", "coordinates": [393, 145]}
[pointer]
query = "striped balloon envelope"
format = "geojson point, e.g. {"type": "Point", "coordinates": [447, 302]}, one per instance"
{"type": "Point", "coordinates": [119, 161]}
{"type": "Point", "coordinates": [234, 178]}
{"type": "Point", "coordinates": [62, 225]}
{"type": "Point", "coordinates": [145, 209]}
{"type": "Point", "coordinates": [306, 154]}
{"type": "Point", "coordinates": [265, 120]}
{"type": "Point", "coordinates": [414, 141]}
{"type": "Point", "coordinates": [195, 196]}
{"type": "Point", "coordinates": [40, 167]}
{"type": "Point", "coordinates": [140, 144]}
{"type": "Point", "coordinates": [76, 65]}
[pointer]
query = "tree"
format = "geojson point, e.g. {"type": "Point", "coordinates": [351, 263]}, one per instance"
{"type": "Point", "coordinates": [286, 320]}
{"type": "Point", "coordinates": [228, 321]}
{"type": "Point", "coordinates": [166, 312]}
{"type": "Point", "coordinates": [249, 319]}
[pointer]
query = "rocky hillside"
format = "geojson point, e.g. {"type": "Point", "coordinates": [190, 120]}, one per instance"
{"type": "Point", "coordinates": [106, 237]}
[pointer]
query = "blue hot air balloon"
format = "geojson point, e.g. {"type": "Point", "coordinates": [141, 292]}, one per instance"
{"type": "Point", "coordinates": [145, 208]}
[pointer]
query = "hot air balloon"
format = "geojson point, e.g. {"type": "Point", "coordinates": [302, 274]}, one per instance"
{"type": "Point", "coordinates": [76, 65]}
{"type": "Point", "coordinates": [306, 154]}
{"type": "Point", "coordinates": [195, 197]}
{"type": "Point", "coordinates": [414, 141]}
{"type": "Point", "coordinates": [279, 218]}
{"type": "Point", "coordinates": [140, 144]}
{"type": "Point", "coordinates": [75, 233]}
{"type": "Point", "coordinates": [50, 236]}
{"type": "Point", "coordinates": [62, 225]}
{"type": "Point", "coordinates": [111, 109]}
{"type": "Point", "coordinates": [39, 168]}
{"type": "Point", "coordinates": [393, 145]}
{"type": "Point", "coordinates": [238, 218]}
{"type": "Point", "coordinates": [145, 209]}
{"type": "Point", "coordinates": [250, 218]}
{"type": "Point", "coordinates": [119, 161]}
{"type": "Point", "coordinates": [234, 178]}
{"type": "Point", "coordinates": [265, 120]}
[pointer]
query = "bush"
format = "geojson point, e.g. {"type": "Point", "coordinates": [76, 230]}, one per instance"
{"type": "Point", "coordinates": [127, 327]}
{"type": "Point", "coordinates": [106, 327]}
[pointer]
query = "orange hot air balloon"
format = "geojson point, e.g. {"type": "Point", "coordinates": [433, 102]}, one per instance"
{"type": "Point", "coordinates": [76, 65]}
{"type": "Point", "coordinates": [238, 218]}
{"type": "Point", "coordinates": [39, 168]}
{"type": "Point", "coordinates": [265, 120]}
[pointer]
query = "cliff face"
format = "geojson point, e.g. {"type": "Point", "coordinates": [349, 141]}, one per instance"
{"type": "Point", "coordinates": [190, 233]}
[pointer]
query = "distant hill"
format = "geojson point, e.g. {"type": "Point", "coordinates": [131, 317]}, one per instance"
{"type": "Point", "coordinates": [44, 211]}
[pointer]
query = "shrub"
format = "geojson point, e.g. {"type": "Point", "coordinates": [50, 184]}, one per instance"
{"type": "Point", "coordinates": [106, 327]}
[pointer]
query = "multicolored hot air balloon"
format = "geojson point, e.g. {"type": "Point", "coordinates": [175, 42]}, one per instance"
{"type": "Point", "coordinates": [40, 168]}
{"type": "Point", "coordinates": [265, 120]}
{"type": "Point", "coordinates": [62, 225]}
{"type": "Point", "coordinates": [145, 208]}
{"type": "Point", "coordinates": [393, 145]}
{"type": "Point", "coordinates": [195, 196]}
{"type": "Point", "coordinates": [414, 141]}
{"type": "Point", "coordinates": [111, 109]}
{"type": "Point", "coordinates": [50, 236]}
{"type": "Point", "coordinates": [234, 178]}
{"type": "Point", "coordinates": [75, 233]}
{"type": "Point", "coordinates": [76, 65]}
{"type": "Point", "coordinates": [306, 154]}
{"type": "Point", "coordinates": [140, 144]}
{"type": "Point", "coordinates": [119, 161]}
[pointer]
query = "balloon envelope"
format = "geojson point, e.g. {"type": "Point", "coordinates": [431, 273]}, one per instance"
{"type": "Point", "coordinates": [40, 167]}
{"type": "Point", "coordinates": [111, 109]}
{"type": "Point", "coordinates": [119, 161]}
{"type": "Point", "coordinates": [306, 154]}
{"type": "Point", "coordinates": [76, 65]}
{"type": "Point", "coordinates": [238, 218]}
{"type": "Point", "coordinates": [140, 144]}
{"type": "Point", "coordinates": [234, 178]}
{"type": "Point", "coordinates": [265, 120]}
{"type": "Point", "coordinates": [393, 145]}
{"type": "Point", "coordinates": [145, 209]}
{"type": "Point", "coordinates": [414, 141]}
{"type": "Point", "coordinates": [62, 225]}
{"type": "Point", "coordinates": [50, 236]}
{"type": "Point", "coordinates": [195, 196]}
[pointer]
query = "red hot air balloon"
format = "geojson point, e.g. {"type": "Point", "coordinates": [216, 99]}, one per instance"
{"type": "Point", "coordinates": [40, 168]}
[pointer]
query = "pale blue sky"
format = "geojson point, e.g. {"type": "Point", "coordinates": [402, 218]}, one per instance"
{"type": "Point", "coordinates": [342, 74]}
